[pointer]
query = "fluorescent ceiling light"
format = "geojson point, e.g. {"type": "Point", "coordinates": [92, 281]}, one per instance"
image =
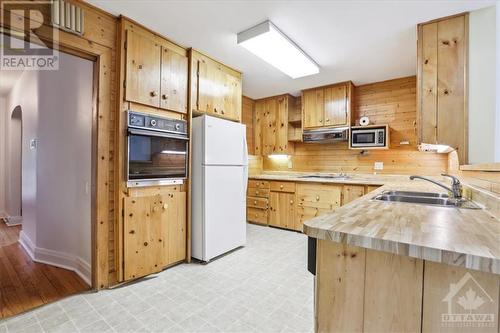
{"type": "Point", "coordinates": [267, 42]}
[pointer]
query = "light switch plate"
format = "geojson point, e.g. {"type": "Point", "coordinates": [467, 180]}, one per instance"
{"type": "Point", "coordinates": [378, 166]}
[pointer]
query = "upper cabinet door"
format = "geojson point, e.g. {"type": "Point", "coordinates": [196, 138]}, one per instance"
{"type": "Point", "coordinates": [313, 108]}
{"type": "Point", "coordinates": [209, 87]}
{"type": "Point", "coordinates": [335, 99]}
{"type": "Point", "coordinates": [232, 97]}
{"type": "Point", "coordinates": [142, 70]}
{"type": "Point", "coordinates": [441, 83]}
{"type": "Point", "coordinates": [174, 83]}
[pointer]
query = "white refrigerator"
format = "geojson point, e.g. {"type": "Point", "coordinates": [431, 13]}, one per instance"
{"type": "Point", "coordinates": [219, 181]}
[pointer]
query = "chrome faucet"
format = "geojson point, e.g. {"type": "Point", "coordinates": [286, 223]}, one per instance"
{"type": "Point", "coordinates": [456, 187]}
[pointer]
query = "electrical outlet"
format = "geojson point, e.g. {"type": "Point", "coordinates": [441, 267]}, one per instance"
{"type": "Point", "coordinates": [290, 164]}
{"type": "Point", "coordinates": [378, 166]}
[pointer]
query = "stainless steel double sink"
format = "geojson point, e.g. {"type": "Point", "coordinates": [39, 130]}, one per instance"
{"type": "Point", "coordinates": [425, 198]}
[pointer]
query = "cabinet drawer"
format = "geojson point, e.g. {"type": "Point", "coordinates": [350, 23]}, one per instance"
{"type": "Point", "coordinates": [283, 187]}
{"type": "Point", "coordinates": [258, 192]}
{"type": "Point", "coordinates": [262, 184]}
{"type": "Point", "coordinates": [255, 202]}
{"type": "Point", "coordinates": [319, 196]}
{"type": "Point", "coordinates": [257, 215]}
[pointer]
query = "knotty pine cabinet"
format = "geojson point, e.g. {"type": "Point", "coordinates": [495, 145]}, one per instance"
{"type": "Point", "coordinates": [156, 73]}
{"type": "Point", "coordinates": [216, 89]}
{"type": "Point", "coordinates": [328, 106]}
{"type": "Point", "coordinates": [154, 233]}
{"type": "Point", "coordinates": [314, 200]}
{"type": "Point", "coordinates": [282, 205]}
{"type": "Point", "coordinates": [258, 201]}
{"type": "Point", "coordinates": [288, 204]}
{"type": "Point", "coordinates": [442, 83]}
{"type": "Point", "coordinates": [271, 125]}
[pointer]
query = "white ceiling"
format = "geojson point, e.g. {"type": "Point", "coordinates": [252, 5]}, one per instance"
{"type": "Point", "coordinates": [362, 41]}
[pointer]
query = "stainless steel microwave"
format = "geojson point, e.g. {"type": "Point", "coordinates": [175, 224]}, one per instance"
{"type": "Point", "coordinates": [369, 137]}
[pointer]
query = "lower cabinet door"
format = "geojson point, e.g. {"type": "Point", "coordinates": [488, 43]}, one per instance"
{"type": "Point", "coordinates": [176, 227]}
{"type": "Point", "coordinates": [282, 210]}
{"type": "Point", "coordinates": [142, 241]}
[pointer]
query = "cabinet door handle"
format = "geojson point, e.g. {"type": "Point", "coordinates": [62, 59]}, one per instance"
{"type": "Point", "coordinates": [317, 198]}
{"type": "Point", "coordinates": [255, 202]}
{"type": "Point", "coordinates": [153, 94]}
{"type": "Point", "coordinates": [281, 186]}
{"type": "Point", "coordinates": [327, 120]}
{"type": "Point", "coordinates": [164, 96]}
{"type": "Point", "coordinates": [291, 202]}
{"type": "Point", "coordinates": [165, 206]}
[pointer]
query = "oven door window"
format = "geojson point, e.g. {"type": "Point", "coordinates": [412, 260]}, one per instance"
{"type": "Point", "coordinates": [364, 138]}
{"type": "Point", "coordinates": [156, 157]}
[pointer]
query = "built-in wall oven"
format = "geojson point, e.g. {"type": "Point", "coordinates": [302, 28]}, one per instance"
{"type": "Point", "coordinates": [157, 150]}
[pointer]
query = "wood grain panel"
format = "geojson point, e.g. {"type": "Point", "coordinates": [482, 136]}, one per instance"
{"type": "Point", "coordinates": [352, 192]}
{"type": "Point", "coordinates": [248, 118]}
{"type": "Point", "coordinates": [174, 85]}
{"type": "Point", "coordinates": [393, 293]}
{"type": "Point", "coordinates": [390, 102]}
{"type": "Point", "coordinates": [428, 100]}
{"type": "Point", "coordinates": [451, 52]}
{"type": "Point", "coordinates": [440, 299]}
{"type": "Point", "coordinates": [340, 278]}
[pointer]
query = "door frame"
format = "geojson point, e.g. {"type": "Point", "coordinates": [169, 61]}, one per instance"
{"type": "Point", "coordinates": [102, 164]}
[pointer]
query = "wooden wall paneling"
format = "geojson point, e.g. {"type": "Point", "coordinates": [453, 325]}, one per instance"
{"type": "Point", "coordinates": [428, 84]}
{"type": "Point", "coordinates": [437, 291]}
{"type": "Point", "coordinates": [254, 165]}
{"type": "Point", "coordinates": [390, 102]}
{"type": "Point", "coordinates": [451, 103]}
{"type": "Point", "coordinates": [393, 293]}
{"type": "Point", "coordinates": [341, 281]}
{"type": "Point", "coordinates": [174, 81]}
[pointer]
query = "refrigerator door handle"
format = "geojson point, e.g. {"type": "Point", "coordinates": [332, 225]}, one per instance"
{"type": "Point", "coordinates": [245, 160]}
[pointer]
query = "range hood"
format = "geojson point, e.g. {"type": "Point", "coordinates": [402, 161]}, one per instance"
{"type": "Point", "coordinates": [326, 135]}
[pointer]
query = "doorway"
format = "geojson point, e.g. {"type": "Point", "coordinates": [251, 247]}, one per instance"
{"type": "Point", "coordinates": [51, 184]}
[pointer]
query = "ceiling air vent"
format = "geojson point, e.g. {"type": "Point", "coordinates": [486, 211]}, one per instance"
{"type": "Point", "coordinates": [67, 16]}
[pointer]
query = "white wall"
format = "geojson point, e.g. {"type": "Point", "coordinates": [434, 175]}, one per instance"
{"type": "Point", "coordinates": [64, 158]}
{"type": "Point", "coordinates": [482, 85]}
{"type": "Point", "coordinates": [56, 200]}
{"type": "Point", "coordinates": [497, 131]}
{"type": "Point", "coordinates": [3, 159]}
{"type": "Point", "coordinates": [24, 94]}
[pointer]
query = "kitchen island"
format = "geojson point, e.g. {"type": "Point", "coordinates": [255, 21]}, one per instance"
{"type": "Point", "coordinates": [401, 267]}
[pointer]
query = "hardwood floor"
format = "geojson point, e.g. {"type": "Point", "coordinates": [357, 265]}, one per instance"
{"type": "Point", "coordinates": [25, 284]}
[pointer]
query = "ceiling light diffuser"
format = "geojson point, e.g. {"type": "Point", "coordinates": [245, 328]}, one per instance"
{"type": "Point", "coordinates": [267, 42]}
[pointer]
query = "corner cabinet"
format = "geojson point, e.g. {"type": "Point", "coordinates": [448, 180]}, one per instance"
{"type": "Point", "coordinates": [442, 83]}
{"type": "Point", "coordinates": [215, 88]}
{"type": "Point", "coordinates": [271, 125]}
{"type": "Point", "coordinates": [328, 106]}
{"type": "Point", "coordinates": [156, 73]}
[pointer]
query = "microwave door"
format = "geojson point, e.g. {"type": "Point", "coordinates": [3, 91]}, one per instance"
{"type": "Point", "coordinates": [364, 138]}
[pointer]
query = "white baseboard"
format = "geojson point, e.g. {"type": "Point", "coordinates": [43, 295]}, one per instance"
{"type": "Point", "coordinates": [11, 221]}
{"type": "Point", "coordinates": [56, 258]}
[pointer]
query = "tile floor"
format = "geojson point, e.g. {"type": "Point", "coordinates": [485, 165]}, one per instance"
{"type": "Point", "coordinates": [263, 287]}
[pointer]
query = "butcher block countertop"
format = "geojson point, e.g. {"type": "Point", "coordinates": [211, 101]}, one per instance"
{"type": "Point", "coordinates": [462, 237]}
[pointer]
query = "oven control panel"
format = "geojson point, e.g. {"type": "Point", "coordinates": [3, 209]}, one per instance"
{"type": "Point", "coordinates": [153, 122]}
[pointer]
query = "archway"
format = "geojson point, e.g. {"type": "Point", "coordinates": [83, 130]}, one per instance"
{"type": "Point", "coordinates": [14, 179]}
